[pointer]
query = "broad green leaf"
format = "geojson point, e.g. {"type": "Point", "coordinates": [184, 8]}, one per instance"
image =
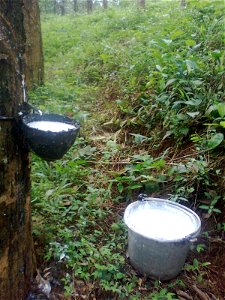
{"type": "Point", "coordinates": [177, 103]}
{"type": "Point", "coordinates": [170, 81]}
{"type": "Point", "coordinates": [168, 133]}
{"type": "Point", "coordinates": [105, 57]}
{"type": "Point", "coordinates": [222, 123]}
{"type": "Point", "coordinates": [49, 193]}
{"type": "Point", "coordinates": [112, 145]}
{"type": "Point", "coordinates": [182, 117]}
{"type": "Point", "coordinates": [194, 102]}
{"type": "Point", "coordinates": [190, 43]}
{"type": "Point", "coordinates": [176, 34]}
{"type": "Point", "coordinates": [87, 151]}
{"type": "Point", "coordinates": [184, 130]}
{"type": "Point", "coordinates": [215, 141]}
{"type": "Point", "coordinates": [197, 82]}
{"type": "Point", "coordinates": [120, 187]}
{"type": "Point", "coordinates": [221, 109]}
{"type": "Point", "coordinates": [197, 46]}
{"type": "Point", "coordinates": [193, 114]}
{"type": "Point", "coordinates": [168, 42]}
{"type": "Point", "coordinates": [135, 186]}
{"type": "Point", "coordinates": [205, 264]}
{"type": "Point", "coordinates": [191, 65]}
{"type": "Point", "coordinates": [159, 68]}
{"type": "Point", "coordinates": [216, 53]}
{"type": "Point", "coordinates": [195, 263]}
{"type": "Point", "coordinates": [181, 92]}
{"type": "Point", "coordinates": [204, 207]}
{"type": "Point", "coordinates": [159, 163]}
{"type": "Point", "coordinates": [138, 138]}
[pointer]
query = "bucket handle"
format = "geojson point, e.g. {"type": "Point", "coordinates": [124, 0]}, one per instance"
{"type": "Point", "coordinates": [193, 240]}
{"type": "Point", "coordinates": [142, 197]}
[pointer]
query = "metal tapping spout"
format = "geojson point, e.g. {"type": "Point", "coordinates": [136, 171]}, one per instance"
{"type": "Point", "coordinates": [26, 107]}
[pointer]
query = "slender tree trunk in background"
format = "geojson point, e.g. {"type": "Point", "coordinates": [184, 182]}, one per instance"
{"type": "Point", "coordinates": [183, 3]}
{"type": "Point", "coordinates": [33, 52]}
{"type": "Point", "coordinates": [62, 7]}
{"type": "Point", "coordinates": [105, 4]}
{"type": "Point", "coordinates": [89, 6]}
{"type": "Point", "coordinates": [17, 260]}
{"type": "Point", "coordinates": [141, 3]}
{"type": "Point", "coordinates": [55, 6]}
{"type": "Point", "coordinates": [75, 5]}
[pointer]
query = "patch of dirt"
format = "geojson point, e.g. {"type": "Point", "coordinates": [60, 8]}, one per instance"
{"type": "Point", "coordinates": [207, 282]}
{"type": "Point", "coordinates": [210, 279]}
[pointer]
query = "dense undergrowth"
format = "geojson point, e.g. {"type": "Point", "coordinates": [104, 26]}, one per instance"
{"type": "Point", "coordinates": [147, 87]}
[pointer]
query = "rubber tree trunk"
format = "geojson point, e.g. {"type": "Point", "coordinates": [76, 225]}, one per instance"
{"type": "Point", "coordinates": [62, 6]}
{"type": "Point", "coordinates": [54, 6]}
{"type": "Point", "coordinates": [75, 5]}
{"type": "Point", "coordinates": [183, 3]}
{"type": "Point", "coordinates": [33, 52]}
{"type": "Point", "coordinates": [89, 6]}
{"type": "Point", "coordinates": [105, 4]}
{"type": "Point", "coordinates": [17, 260]}
{"type": "Point", "coordinates": [141, 3]}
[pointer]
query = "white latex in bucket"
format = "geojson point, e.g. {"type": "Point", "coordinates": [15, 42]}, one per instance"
{"type": "Point", "coordinates": [161, 220]}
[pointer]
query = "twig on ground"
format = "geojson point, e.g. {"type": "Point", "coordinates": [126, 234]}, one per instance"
{"type": "Point", "coordinates": [201, 294]}
{"type": "Point", "coordinates": [183, 295]}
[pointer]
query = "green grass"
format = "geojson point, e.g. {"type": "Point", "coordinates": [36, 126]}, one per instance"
{"type": "Point", "coordinates": [145, 86]}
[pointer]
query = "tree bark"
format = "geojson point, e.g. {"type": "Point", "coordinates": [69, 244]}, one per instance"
{"type": "Point", "coordinates": [55, 6]}
{"type": "Point", "coordinates": [183, 3]}
{"type": "Point", "coordinates": [34, 72]}
{"type": "Point", "coordinates": [141, 3]}
{"type": "Point", "coordinates": [75, 5]}
{"type": "Point", "coordinates": [89, 6]}
{"type": "Point", "coordinates": [17, 260]}
{"type": "Point", "coordinates": [62, 6]}
{"type": "Point", "coordinates": [105, 4]}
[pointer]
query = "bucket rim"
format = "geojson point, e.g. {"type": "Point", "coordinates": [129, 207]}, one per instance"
{"type": "Point", "coordinates": [190, 237]}
{"type": "Point", "coordinates": [50, 117]}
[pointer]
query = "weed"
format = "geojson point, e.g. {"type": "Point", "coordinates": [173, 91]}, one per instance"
{"type": "Point", "coordinates": [148, 88]}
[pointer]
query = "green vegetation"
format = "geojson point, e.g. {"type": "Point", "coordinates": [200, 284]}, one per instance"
{"type": "Point", "coordinates": [147, 87]}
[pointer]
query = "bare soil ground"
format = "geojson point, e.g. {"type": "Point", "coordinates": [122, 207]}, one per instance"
{"type": "Point", "coordinates": [203, 283]}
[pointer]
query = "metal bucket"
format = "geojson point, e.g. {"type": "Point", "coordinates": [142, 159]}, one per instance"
{"type": "Point", "coordinates": [160, 233]}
